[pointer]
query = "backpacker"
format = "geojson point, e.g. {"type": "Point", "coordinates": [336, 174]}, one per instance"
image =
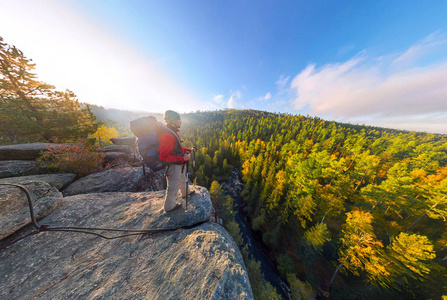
{"type": "Point", "coordinates": [147, 130]}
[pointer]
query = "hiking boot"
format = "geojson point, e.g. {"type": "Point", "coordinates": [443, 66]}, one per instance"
{"type": "Point", "coordinates": [178, 205]}
{"type": "Point", "coordinates": [190, 194]}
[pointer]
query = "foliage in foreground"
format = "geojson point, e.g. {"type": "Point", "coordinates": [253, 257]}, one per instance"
{"type": "Point", "coordinates": [81, 159]}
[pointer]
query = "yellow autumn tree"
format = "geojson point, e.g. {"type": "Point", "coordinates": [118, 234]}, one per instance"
{"type": "Point", "coordinates": [361, 251]}
{"type": "Point", "coordinates": [317, 235]}
{"type": "Point", "coordinates": [412, 253]}
{"type": "Point", "coordinates": [104, 134]}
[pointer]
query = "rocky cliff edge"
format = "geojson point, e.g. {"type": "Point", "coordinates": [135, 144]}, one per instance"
{"type": "Point", "coordinates": [190, 258]}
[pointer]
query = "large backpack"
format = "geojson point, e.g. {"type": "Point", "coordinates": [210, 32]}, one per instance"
{"type": "Point", "coordinates": [147, 130]}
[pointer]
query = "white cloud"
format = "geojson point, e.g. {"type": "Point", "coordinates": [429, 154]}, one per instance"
{"type": "Point", "coordinates": [282, 82]}
{"type": "Point", "coordinates": [345, 49]}
{"type": "Point", "coordinates": [218, 99]}
{"type": "Point", "coordinates": [232, 101]}
{"type": "Point", "coordinates": [377, 91]}
{"type": "Point", "coordinates": [267, 97]}
{"type": "Point", "coordinates": [278, 105]}
{"type": "Point", "coordinates": [419, 49]}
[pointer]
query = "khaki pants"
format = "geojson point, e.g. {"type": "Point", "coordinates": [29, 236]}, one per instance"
{"type": "Point", "coordinates": [176, 180]}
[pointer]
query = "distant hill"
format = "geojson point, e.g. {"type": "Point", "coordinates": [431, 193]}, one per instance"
{"type": "Point", "coordinates": [122, 117]}
{"type": "Point", "coordinates": [119, 119]}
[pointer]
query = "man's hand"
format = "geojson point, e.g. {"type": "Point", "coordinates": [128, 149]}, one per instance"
{"type": "Point", "coordinates": [193, 149]}
{"type": "Point", "coordinates": [186, 156]}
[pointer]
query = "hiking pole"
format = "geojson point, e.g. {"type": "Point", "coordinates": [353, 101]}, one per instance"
{"type": "Point", "coordinates": [194, 161]}
{"type": "Point", "coordinates": [187, 182]}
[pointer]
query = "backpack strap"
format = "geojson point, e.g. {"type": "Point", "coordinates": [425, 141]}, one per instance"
{"type": "Point", "coordinates": [174, 134]}
{"type": "Point", "coordinates": [145, 150]}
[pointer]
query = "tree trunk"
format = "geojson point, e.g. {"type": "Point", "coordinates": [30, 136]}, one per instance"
{"type": "Point", "coordinates": [374, 206]}
{"type": "Point", "coordinates": [420, 218]}
{"type": "Point", "coordinates": [360, 182]}
{"type": "Point", "coordinates": [387, 233]}
{"type": "Point", "coordinates": [335, 273]}
{"type": "Point", "coordinates": [318, 206]}
{"type": "Point", "coordinates": [352, 162]}
{"type": "Point", "coordinates": [324, 217]}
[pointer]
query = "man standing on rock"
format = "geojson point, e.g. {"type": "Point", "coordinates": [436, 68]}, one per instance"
{"type": "Point", "coordinates": [174, 155]}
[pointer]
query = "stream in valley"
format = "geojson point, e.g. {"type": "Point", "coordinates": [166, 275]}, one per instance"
{"type": "Point", "coordinates": [256, 247]}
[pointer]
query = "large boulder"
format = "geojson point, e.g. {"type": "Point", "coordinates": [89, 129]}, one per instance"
{"type": "Point", "coordinates": [115, 159]}
{"type": "Point", "coordinates": [120, 155]}
{"type": "Point", "coordinates": [198, 261]}
{"type": "Point", "coordinates": [23, 151]}
{"type": "Point", "coordinates": [58, 181]}
{"type": "Point", "coordinates": [128, 179]}
{"type": "Point", "coordinates": [14, 208]}
{"type": "Point", "coordinates": [13, 168]}
{"type": "Point", "coordinates": [124, 140]}
{"type": "Point", "coordinates": [119, 148]}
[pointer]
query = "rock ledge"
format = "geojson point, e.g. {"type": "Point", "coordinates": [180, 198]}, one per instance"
{"type": "Point", "coordinates": [202, 262]}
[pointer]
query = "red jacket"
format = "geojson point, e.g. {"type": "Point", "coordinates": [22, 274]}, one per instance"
{"type": "Point", "coordinates": [170, 148]}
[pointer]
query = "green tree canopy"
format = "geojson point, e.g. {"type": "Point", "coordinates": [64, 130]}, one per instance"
{"type": "Point", "coordinates": [31, 110]}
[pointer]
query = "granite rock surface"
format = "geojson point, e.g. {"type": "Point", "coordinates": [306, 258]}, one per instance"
{"type": "Point", "coordinates": [193, 259]}
{"type": "Point", "coordinates": [58, 181]}
{"type": "Point", "coordinates": [14, 168]}
{"type": "Point", "coordinates": [127, 179]}
{"type": "Point", "coordinates": [29, 151]}
{"type": "Point", "coordinates": [14, 208]}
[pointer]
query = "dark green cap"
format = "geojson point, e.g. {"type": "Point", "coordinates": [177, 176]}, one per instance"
{"type": "Point", "coordinates": [171, 116]}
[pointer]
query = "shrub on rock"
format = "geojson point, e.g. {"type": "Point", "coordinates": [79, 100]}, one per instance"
{"type": "Point", "coordinates": [81, 159]}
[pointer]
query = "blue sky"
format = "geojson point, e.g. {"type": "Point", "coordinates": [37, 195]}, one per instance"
{"type": "Point", "coordinates": [381, 63]}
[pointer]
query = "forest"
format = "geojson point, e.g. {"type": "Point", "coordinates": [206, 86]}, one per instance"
{"type": "Point", "coordinates": [355, 212]}
{"type": "Point", "coordinates": [346, 211]}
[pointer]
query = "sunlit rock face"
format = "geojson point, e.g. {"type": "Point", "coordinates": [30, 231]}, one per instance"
{"type": "Point", "coordinates": [59, 181]}
{"type": "Point", "coordinates": [29, 151]}
{"type": "Point", "coordinates": [127, 179]}
{"type": "Point", "coordinates": [15, 168]}
{"type": "Point", "coordinates": [14, 208]}
{"type": "Point", "coordinates": [194, 259]}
